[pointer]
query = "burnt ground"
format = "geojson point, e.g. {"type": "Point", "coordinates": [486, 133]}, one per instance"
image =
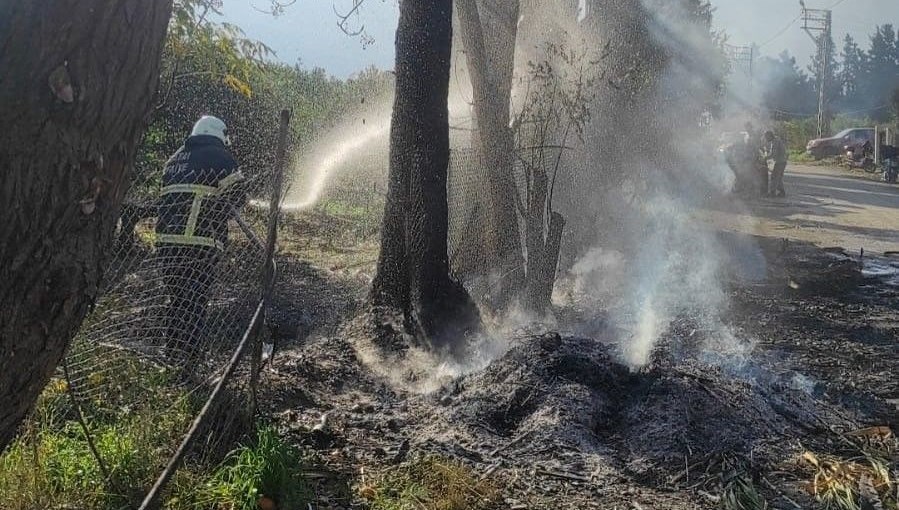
{"type": "Point", "coordinates": [557, 422]}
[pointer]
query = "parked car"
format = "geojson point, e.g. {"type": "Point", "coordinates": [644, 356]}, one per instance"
{"type": "Point", "coordinates": [835, 145]}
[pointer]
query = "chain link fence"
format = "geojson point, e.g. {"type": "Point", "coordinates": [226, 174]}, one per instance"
{"type": "Point", "coordinates": [158, 376]}
{"type": "Point", "coordinates": [347, 213]}
{"type": "Point", "coordinates": [163, 371]}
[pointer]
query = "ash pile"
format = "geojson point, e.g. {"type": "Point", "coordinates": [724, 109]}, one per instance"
{"type": "Point", "coordinates": [564, 407]}
{"type": "Point", "coordinates": [559, 418]}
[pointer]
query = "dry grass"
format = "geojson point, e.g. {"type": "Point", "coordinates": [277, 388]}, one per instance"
{"type": "Point", "coordinates": [853, 483]}
{"type": "Point", "coordinates": [430, 483]}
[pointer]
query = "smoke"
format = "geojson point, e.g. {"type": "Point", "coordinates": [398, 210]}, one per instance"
{"type": "Point", "coordinates": [662, 261]}
{"type": "Point", "coordinates": [635, 192]}
{"type": "Point", "coordinates": [598, 272]}
{"type": "Point", "coordinates": [423, 370]}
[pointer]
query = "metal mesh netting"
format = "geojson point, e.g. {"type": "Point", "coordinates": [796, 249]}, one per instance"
{"type": "Point", "coordinates": [351, 205]}
{"type": "Point", "coordinates": [469, 227]}
{"type": "Point", "coordinates": [469, 224]}
{"type": "Point", "coordinates": [180, 307]}
{"type": "Point", "coordinates": [349, 210]}
{"type": "Point", "coordinates": [163, 338]}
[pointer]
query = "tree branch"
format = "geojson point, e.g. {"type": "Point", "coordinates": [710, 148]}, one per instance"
{"type": "Point", "coordinates": [343, 19]}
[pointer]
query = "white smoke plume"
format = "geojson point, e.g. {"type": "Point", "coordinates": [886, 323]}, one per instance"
{"type": "Point", "coordinates": [662, 261]}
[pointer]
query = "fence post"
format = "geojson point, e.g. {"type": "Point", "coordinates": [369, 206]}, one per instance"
{"type": "Point", "coordinates": [269, 267]}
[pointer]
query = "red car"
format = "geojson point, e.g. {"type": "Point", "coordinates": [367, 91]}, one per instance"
{"type": "Point", "coordinates": [835, 145]}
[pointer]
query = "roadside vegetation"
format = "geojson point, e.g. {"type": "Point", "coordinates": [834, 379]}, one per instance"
{"type": "Point", "coordinates": [51, 464]}
{"type": "Point", "coordinates": [264, 473]}
{"type": "Point", "coordinates": [861, 87]}
{"type": "Point", "coordinates": [796, 133]}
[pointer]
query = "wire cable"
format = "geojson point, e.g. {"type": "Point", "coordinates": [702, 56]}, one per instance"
{"type": "Point", "coordinates": [782, 32]}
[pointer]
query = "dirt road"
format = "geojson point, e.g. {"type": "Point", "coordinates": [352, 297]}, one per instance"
{"type": "Point", "coordinates": [826, 206]}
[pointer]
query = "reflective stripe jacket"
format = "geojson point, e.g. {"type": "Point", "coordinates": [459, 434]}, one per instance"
{"type": "Point", "coordinates": [199, 186]}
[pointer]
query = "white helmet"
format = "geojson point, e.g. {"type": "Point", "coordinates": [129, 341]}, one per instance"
{"type": "Point", "coordinates": [212, 126]}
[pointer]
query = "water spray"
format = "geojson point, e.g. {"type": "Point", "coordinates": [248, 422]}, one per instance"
{"type": "Point", "coordinates": [335, 157]}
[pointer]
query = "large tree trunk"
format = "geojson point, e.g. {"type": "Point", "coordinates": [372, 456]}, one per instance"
{"type": "Point", "coordinates": [490, 58]}
{"type": "Point", "coordinates": [413, 267]}
{"type": "Point", "coordinates": [77, 80]}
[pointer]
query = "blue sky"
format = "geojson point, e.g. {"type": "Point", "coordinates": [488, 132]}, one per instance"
{"type": "Point", "coordinates": [308, 30]}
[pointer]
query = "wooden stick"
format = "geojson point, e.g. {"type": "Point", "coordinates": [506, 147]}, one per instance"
{"type": "Point", "coordinates": [510, 443]}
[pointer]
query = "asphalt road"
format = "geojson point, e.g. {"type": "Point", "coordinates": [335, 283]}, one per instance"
{"type": "Point", "coordinates": [828, 206]}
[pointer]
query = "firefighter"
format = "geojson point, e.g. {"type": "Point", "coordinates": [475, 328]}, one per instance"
{"type": "Point", "coordinates": [200, 193]}
{"type": "Point", "coordinates": [776, 151]}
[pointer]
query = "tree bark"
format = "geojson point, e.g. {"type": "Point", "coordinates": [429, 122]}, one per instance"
{"type": "Point", "coordinates": [77, 81]}
{"type": "Point", "coordinates": [543, 260]}
{"type": "Point", "coordinates": [491, 60]}
{"type": "Point", "coordinates": [413, 267]}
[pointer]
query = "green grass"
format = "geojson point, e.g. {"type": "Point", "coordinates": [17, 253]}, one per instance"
{"type": "Point", "coordinates": [741, 494]}
{"type": "Point", "coordinates": [265, 468]}
{"type": "Point", "coordinates": [331, 241]}
{"type": "Point", "coordinates": [349, 210]}
{"type": "Point", "coordinates": [432, 483]}
{"type": "Point", "coordinates": [50, 465]}
{"type": "Point", "coordinates": [137, 422]}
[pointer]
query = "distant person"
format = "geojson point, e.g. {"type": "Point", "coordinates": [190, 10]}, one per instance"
{"type": "Point", "coordinates": [735, 157]}
{"type": "Point", "coordinates": [199, 194]}
{"type": "Point", "coordinates": [732, 155]}
{"type": "Point", "coordinates": [776, 151]}
{"type": "Point", "coordinates": [755, 165]}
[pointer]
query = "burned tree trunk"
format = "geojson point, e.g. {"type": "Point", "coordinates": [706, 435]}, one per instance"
{"type": "Point", "coordinates": [544, 246]}
{"type": "Point", "coordinates": [77, 80]}
{"type": "Point", "coordinates": [543, 235]}
{"type": "Point", "coordinates": [491, 59]}
{"type": "Point", "coordinates": [413, 267]}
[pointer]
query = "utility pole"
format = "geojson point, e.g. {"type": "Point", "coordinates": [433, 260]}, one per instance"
{"type": "Point", "coordinates": [742, 56]}
{"type": "Point", "coordinates": [818, 24]}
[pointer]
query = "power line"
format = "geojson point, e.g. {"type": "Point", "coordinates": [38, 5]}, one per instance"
{"type": "Point", "coordinates": [790, 25]}
{"type": "Point", "coordinates": [782, 32]}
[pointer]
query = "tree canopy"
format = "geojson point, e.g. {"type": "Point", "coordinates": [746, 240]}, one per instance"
{"type": "Point", "coordinates": [861, 80]}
